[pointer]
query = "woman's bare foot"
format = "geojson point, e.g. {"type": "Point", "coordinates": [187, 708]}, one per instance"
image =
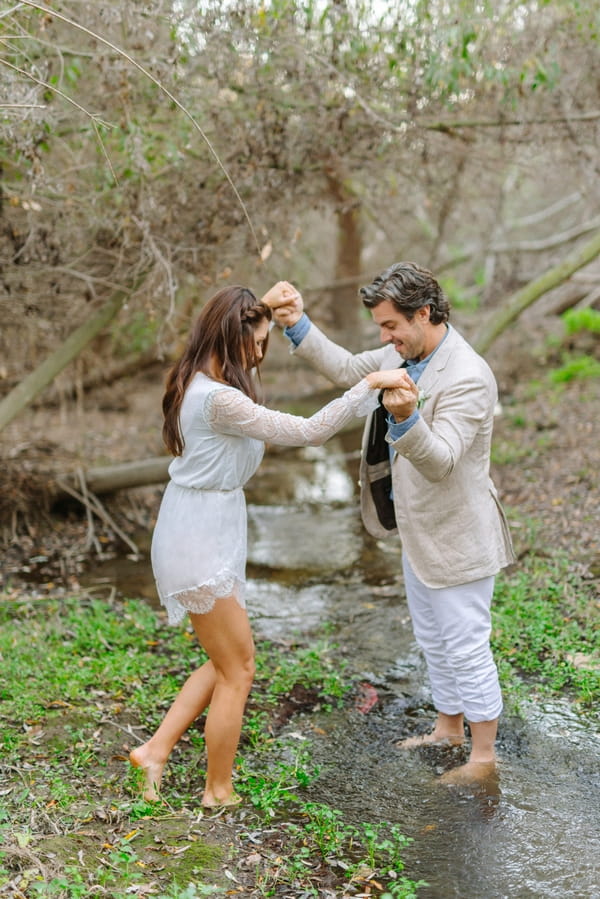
{"type": "Point", "coordinates": [432, 739]}
{"type": "Point", "coordinates": [153, 770]}
{"type": "Point", "coordinates": [211, 801]}
{"type": "Point", "coordinates": [479, 774]}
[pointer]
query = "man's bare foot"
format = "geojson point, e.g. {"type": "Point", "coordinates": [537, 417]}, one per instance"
{"type": "Point", "coordinates": [153, 771]}
{"type": "Point", "coordinates": [478, 774]}
{"type": "Point", "coordinates": [210, 801]}
{"type": "Point", "coordinates": [431, 739]}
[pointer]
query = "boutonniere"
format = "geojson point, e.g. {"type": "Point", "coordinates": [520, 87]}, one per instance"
{"type": "Point", "coordinates": [422, 398]}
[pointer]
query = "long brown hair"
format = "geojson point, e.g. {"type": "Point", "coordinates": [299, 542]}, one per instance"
{"type": "Point", "coordinates": [221, 345]}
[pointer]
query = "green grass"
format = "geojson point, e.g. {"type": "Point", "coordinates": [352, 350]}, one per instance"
{"type": "Point", "coordinates": [546, 631]}
{"type": "Point", "coordinates": [313, 666]}
{"type": "Point", "coordinates": [83, 681]}
{"type": "Point", "coordinates": [511, 452]}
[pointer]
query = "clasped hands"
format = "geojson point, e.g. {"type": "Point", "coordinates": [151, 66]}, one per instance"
{"type": "Point", "coordinates": [285, 302]}
{"type": "Point", "coordinates": [400, 391]}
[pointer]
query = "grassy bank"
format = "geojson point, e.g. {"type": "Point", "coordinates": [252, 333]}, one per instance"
{"type": "Point", "coordinates": [84, 681]}
{"type": "Point", "coordinates": [546, 632]}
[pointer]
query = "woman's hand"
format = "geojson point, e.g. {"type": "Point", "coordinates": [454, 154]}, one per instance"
{"type": "Point", "coordinates": [390, 380]}
{"type": "Point", "coordinates": [400, 395]}
{"type": "Point", "coordinates": [286, 303]}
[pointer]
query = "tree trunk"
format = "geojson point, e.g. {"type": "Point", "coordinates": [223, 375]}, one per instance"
{"type": "Point", "coordinates": [522, 299]}
{"type": "Point", "coordinates": [110, 478]}
{"type": "Point", "coordinates": [343, 303]}
{"type": "Point", "coordinates": [34, 383]}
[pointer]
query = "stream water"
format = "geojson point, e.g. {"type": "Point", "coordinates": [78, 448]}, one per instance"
{"type": "Point", "coordinates": [537, 833]}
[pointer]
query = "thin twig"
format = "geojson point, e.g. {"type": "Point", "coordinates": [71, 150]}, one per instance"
{"type": "Point", "coordinates": [36, 802]}
{"type": "Point", "coordinates": [91, 535]}
{"type": "Point", "coordinates": [24, 853]}
{"type": "Point", "coordinates": [7, 12]}
{"type": "Point", "coordinates": [104, 153]}
{"type": "Point", "coordinates": [501, 123]}
{"type": "Point", "coordinates": [589, 299]}
{"type": "Point", "coordinates": [92, 501]}
{"type": "Point", "coordinates": [162, 261]}
{"type": "Point", "coordinates": [53, 88]}
{"type": "Point", "coordinates": [128, 730]}
{"type": "Point", "coordinates": [84, 276]}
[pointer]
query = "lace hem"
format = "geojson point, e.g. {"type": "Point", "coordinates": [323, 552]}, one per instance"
{"type": "Point", "coordinates": [202, 599]}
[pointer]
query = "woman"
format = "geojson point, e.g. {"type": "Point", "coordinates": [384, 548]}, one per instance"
{"type": "Point", "coordinates": [216, 431]}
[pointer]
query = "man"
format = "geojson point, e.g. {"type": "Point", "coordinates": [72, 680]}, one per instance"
{"type": "Point", "coordinates": [425, 476]}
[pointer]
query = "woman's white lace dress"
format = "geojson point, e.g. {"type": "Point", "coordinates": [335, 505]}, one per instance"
{"type": "Point", "coordinates": [199, 542]}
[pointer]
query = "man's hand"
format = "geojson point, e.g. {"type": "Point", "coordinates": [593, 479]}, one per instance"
{"type": "Point", "coordinates": [401, 402]}
{"type": "Point", "coordinates": [286, 303]}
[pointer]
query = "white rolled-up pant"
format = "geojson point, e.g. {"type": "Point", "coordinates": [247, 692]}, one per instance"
{"type": "Point", "coordinates": [452, 626]}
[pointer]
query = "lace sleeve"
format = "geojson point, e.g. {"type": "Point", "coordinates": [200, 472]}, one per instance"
{"type": "Point", "coordinates": [229, 411]}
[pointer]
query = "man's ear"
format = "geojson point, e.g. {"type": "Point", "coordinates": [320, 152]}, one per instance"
{"type": "Point", "coordinates": [424, 313]}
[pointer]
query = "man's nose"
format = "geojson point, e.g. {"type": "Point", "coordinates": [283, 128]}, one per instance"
{"type": "Point", "coordinates": [384, 335]}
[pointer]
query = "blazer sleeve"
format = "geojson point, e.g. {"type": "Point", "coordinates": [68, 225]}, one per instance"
{"type": "Point", "coordinates": [462, 413]}
{"type": "Point", "coordinates": [338, 364]}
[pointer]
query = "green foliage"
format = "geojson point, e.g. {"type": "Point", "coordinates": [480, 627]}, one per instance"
{"type": "Point", "coordinates": [457, 295]}
{"type": "Point", "coordinates": [576, 367]}
{"type": "Point", "coordinates": [536, 75]}
{"type": "Point", "coordinates": [136, 335]}
{"type": "Point", "coordinates": [366, 850]}
{"type": "Point", "coordinates": [578, 320]}
{"type": "Point", "coordinates": [84, 652]}
{"type": "Point", "coordinates": [193, 891]}
{"type": "Point", "coordinates": [268, 785]}
{"type": "Point", "coordinates": [314, 666]}
{"type": "Point", "coordinates": [545, 624]}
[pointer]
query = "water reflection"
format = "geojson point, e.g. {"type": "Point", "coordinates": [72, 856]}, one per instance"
{"type": "Point", "coordinates": [301, 538]}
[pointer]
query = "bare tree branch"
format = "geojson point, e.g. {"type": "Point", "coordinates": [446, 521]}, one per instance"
{"type": "Point", "coordinates": [161, 87]}
{"type": "Point", "coordinates": [542, 214]}
{"type": "Point", "coordinates": [511, 308]}
{"type": "Point", "coordinates": [38, 379]}
{"type": "Point", "coordinates": [548, 243]}
{"type": "Point", "coordinates": [501, 123]}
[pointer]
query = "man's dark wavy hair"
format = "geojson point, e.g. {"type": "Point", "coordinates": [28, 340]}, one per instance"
{"type": "Point", "coordinates": [409, 287]}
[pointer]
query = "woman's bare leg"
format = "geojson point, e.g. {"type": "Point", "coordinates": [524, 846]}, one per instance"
{"type": "Point", "coordinates": [225, 635]}
{"type": "Point", "coordinates": [190, 702]}
{"type": "Point", "coordinates": [223, 683]}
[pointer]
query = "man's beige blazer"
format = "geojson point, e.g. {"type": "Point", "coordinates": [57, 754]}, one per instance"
{"type": "Point", "coordinates": [445, 507]}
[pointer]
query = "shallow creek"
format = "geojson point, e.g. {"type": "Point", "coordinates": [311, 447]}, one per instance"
{"type": "Point", "coordinates": [311, 564]}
